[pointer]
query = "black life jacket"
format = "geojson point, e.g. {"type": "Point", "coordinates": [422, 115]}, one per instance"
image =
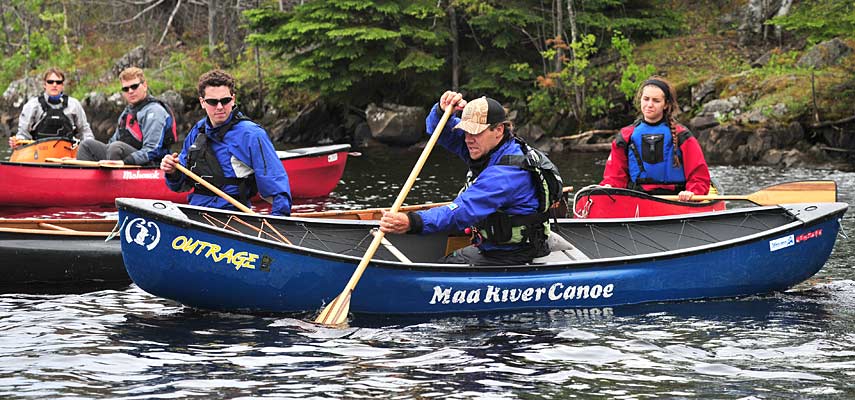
{"type": "Point", "coordinates": [130, 131]}
{"type": "Point", "coordinates": [54, 122]}
{"type": "Point", "coordinates": [533, 229]}
{"type": "Point", "coordinates": [203, 162]}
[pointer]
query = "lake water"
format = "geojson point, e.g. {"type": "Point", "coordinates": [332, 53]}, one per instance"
{"type": "Point", "coordinates": [125, 343]}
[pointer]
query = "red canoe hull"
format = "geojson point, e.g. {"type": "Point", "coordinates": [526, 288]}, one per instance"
{"type": "Point", "coordinates": [313, 173]}
{"type": "Point", "coordinates": [600, 202]}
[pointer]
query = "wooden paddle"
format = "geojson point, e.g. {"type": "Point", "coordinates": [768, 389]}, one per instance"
{"type": "Point", "coordinates": [228, 198]}
{"type": "Point", "coordinates": [335, 313]}
{"type": "Point", "coordinates": [784, 193]}
{"type": "Point", "coordinates": [214, 189]}
{"type": "Point", "coordinates": [102, 163]}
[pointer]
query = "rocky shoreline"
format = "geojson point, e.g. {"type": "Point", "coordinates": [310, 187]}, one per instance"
{"type": "Point", "coordinates": [731, 130]}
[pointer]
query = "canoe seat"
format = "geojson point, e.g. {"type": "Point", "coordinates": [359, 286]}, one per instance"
{"type": "Point", "coordinates": [561, 251]}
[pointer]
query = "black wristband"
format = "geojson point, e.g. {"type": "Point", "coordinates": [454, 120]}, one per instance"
{"type": "Point", "coordinates": [416, 223]}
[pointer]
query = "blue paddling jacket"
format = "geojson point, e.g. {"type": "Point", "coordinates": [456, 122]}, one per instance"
{"type": "Point", "coordinates": [244, 157]}
{"type": "Point", "coordinates": [497, 188]}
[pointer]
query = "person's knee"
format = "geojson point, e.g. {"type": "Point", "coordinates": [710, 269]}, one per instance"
{"type": "Point", "coordinates": [90, 150]}
{"type": "Point", "coordinates": [117, 151]}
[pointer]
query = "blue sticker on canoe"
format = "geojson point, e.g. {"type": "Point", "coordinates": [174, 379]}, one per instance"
{"type": "Point", "coordinates": [452, 206]}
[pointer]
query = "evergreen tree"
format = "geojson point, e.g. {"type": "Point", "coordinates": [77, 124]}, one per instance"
{"type": "Point", "coordinates": [355, 51]}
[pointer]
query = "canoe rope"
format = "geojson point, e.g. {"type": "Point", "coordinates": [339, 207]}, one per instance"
{"type": "Point", "coordinates": [627, 243]}
{"type": "Point", "coordinates": [596, 241]}
{"type": "Point", "coordinates": [586, 210]}
{"type": "Point", "coordinates": [305, 235]}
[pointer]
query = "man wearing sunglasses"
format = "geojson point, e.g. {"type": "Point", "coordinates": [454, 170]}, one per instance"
{"type": "Point", "coordinates": [53, 114]}
{"type": "Point", "coordinates": [145, 129]}
{"type": "Point", "coordinates": [230, 151]}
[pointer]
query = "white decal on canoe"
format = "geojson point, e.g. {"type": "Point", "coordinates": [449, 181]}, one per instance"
{"type": "Point", "coordinates": [494, 294]}
{"type": "Point", "coordinates": [240, 259]}
{"type": "Point", "coordinates": [141, 174]}
{"type": "Point", "coordinates": [780, 243]}
{"type": "Point", "coordinates": [142, 232]}
{"type": "Point", "coordinates": [332, 157]}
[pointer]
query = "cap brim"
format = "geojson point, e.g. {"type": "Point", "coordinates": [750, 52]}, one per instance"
{"type": "Point", "coordinates": [472, 128]}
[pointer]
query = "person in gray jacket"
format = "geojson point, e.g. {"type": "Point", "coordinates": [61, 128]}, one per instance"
{"type": "Point", "coordinates": [53, 114]}
{"type": "Point", "coordinates": [146, 129]}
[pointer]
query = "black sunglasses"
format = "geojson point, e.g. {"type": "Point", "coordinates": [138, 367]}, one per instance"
{"type": "Point", "coordinates": [53, 82]}
{"type": "Point", "coordinates": [224, 101]}
{"type": "Point", "coordinates": [131, 87]}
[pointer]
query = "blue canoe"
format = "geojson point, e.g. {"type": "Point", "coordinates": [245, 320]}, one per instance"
{"type": "Point", "coordinates": [232, 261]}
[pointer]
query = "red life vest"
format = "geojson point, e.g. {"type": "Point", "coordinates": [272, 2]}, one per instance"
{"type": "Point", "coordinates": [131, 133]}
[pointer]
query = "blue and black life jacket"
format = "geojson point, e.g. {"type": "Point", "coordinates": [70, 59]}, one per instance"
{"type": "Point", "coordinates": [203, 161]}
{"type": "Point", "coordinates": [651, 154]}
{"type": "Point", "coordinates": [54, 123]}
{"type": "Point", "coordinates": [533, 229]}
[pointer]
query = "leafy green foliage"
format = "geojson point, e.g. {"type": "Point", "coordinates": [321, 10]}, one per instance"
{"type": "Point", "coordinates": [353, 52]}
{"type": "Point", "coordinates": [632, 74]}
{"type": "Point", "coordinates": [820, 19]}
{"type": "Point", "coordinates": [40, 26]}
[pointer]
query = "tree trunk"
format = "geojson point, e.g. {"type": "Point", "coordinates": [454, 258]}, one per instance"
{"type": "Point", "coordinates": [212, 25]}
{"type": "Point", "coordinates": [559, 33]}
{"type": "Point", "coordinates": [578, 105]}
{"type": "Point", "coordinates": [455, 49]}
{"type": "Point", "coordinates": [260, 109]}
{"type": "Point", "coordinates": [783, 10]}
{"type": "Point", "coordinates": [169, 23]}
{"type": "Point", "coordinates": [7, 47]}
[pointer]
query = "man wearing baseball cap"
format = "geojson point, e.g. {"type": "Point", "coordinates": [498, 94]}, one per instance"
{"type": "Point", "coordinates": [499, 204]}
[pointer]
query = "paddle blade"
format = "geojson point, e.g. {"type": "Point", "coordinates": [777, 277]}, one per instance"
{"type": "Point", "coordinates": [335, 313]}
{"type": "Point", "coordinates": [796, 192]}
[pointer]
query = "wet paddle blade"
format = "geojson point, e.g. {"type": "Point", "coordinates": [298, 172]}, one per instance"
{"type": "Point", "coordinates": [335, 313]}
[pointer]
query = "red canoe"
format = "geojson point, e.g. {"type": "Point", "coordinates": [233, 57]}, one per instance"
{"type": "Point", "coordinates": [603, 202]}
{"type": "Point", "coordinates": [312, 172]}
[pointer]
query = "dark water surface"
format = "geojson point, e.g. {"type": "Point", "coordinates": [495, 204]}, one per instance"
{"type": "Point", "coordinates": [125, 343]}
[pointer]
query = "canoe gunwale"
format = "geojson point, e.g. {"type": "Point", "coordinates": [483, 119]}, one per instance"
{"type": "Point", "coordinates": [606, 191]}
{"type": "Point", "coordinates": [608, 262]}
{"type": "Point", "coordinates": [317, 151]}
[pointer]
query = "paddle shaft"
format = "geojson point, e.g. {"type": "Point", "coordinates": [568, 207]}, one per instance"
{"type": "Point", "coordinates": [336, 312]}
{"type": "Point", "coordinates": [85, 163]}
{"type": "Point", "coordinates": [213, 188]}
{"type": "Point", "coordinates": [710, 197]}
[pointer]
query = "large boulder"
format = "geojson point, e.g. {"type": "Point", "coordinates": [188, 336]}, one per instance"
{"type": "Point", "coordinates": [137, 57]}
{"type": "Point", "coordinates": [725, 144]}
{"type": "Point", "coordinates": [21, 90]}
{"type": "Point", "coordinates": [396, 124]}
{"type": "Point", "coordinates": [721, 108]}
{"type": "Point", "coordinates": [824, 54]}
{"type": "Point", "coordinates": [316, 123]}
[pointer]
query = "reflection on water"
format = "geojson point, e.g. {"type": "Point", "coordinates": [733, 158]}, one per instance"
{"type": "Point", "coordinates": [124, 343]}
{"type": "Point", "coordinates": [127, 344]}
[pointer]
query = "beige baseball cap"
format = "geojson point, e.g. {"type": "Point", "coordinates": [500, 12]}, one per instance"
{"type": "Point", "coordinates": [479, 114]}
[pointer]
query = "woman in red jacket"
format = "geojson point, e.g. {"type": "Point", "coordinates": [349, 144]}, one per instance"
{"type": "Point", "coordinates": [656, 154]}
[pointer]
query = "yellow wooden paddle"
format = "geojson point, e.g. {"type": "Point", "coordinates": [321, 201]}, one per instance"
{"type": "Point", "coordinates": [230, 199]}
{"type": "Point", "coordinates": [784, 193]}
{"type": "Point", "coordinates": [102, 163]}
{"type": "Point", "coordinates": [335, 313]}
{"type": "Point", "coordinates": [216, 190]}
